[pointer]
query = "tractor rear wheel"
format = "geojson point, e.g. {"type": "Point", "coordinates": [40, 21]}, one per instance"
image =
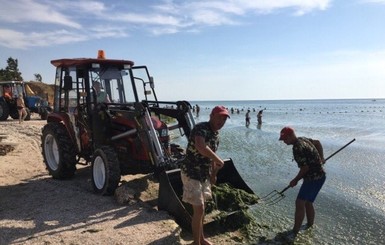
{"type": "Point", "coordinates": [105, 171]}
{"type": "Point", "coordinates": [58, 151]}
{"type": "Point", "coordinates": [4, 110]}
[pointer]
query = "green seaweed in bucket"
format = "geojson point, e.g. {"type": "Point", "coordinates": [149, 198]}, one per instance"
{"type": "Point", "coordinates": [229, 199]}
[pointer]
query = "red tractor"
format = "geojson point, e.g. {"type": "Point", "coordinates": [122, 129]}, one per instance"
{"type": "Point", "coordinates": [106, 114]}
{"type": "Point", "coordinates": [100, 118]}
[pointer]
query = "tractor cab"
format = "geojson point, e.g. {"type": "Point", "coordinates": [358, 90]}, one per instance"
{"type": "Point", "coordinates": [106, 105]}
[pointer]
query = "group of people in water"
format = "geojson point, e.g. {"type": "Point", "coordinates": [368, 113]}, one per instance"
{"type": "Point", "coordinates": [248, 118]}
{"type": "Point", "coordinates": [248, 115]}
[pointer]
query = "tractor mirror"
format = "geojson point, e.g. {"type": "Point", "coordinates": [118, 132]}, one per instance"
{"type": "Point", "coordinates": [152, 85]}
{"type": "Point", "coordinates": [67, 82]}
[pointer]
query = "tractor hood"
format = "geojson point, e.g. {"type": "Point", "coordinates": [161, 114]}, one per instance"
{"type": "Point", "coordinates": [35, 101]}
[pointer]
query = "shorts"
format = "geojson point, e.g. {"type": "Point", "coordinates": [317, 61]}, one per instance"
{"type": "Point", "coordinates": [194, 191]}
{"type": "Point", "coordinates": [310, 188]}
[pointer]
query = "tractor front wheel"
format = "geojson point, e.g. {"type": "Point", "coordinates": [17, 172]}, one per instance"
{"type": "Point", "coordinates": [105, 171]}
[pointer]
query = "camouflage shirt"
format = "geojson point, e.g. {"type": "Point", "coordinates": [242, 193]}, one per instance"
{"type": "Point", "coordinates": [195, 165]}
{"type": "Point", "coordinates": [306, 154]}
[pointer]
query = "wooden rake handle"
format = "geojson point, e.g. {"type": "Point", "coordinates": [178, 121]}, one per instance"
{"type": "Point", "coordinates": [343, 147]}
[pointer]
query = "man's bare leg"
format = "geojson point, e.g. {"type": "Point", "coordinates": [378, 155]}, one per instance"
{"type": "Point", "coordinates": [299, 215]}
{"type": "Point", "coordinates": [197, 224]}
{"type": "Point", "coordinates": [310, 213]}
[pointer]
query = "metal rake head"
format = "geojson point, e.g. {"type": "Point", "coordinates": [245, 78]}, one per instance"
{"type": "Point", "coordinates": [274, 197]}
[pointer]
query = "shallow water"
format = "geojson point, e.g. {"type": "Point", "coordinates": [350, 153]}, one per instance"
{"type": "Point", "coordinates": [350, 208]}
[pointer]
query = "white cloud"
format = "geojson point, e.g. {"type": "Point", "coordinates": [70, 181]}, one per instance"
{"type": "Point", "coordinates": [104, 31]}
{"type": "Point", "coordinates": [210, 18]}
{"type": "Point", "coordinates": [20, 40]}
{"type": "Point", "coordinates": [373, 1]}
{"type": "Point", "coordinates": [24, 11]}
{"type": "Point", "coordinates": [84, 6]}
{"type": "Point", "coordinates": [150, 19]}
{"type": "Point", "coordinates": [83, 18]}
{"type": "Point", "coordinates": [12, 39]}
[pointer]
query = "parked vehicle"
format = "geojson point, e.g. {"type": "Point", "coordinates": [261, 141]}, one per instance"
{"type": "Point", "coordinates": [9, 91]}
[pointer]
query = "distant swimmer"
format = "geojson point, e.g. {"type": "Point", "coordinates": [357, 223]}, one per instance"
{"type": "Point", "coordinates": [198, 109]}
{"type": "Point", "coordinates": [247, 118]}
{"type": "Point", "coordinates": [259, 117]}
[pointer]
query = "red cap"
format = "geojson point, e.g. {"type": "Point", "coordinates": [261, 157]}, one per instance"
{"type": "Point", "coordinates": [285, 132]}
{"type": "Point", "coordinates": [220, 110]}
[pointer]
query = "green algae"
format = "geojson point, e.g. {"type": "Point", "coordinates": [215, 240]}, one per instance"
{"type": "Point", "coordinates": [229, 211]}
{"type": "Point", "coordinates": [231, 206]}
{"type": "Point", "coordinates": [230, 199]}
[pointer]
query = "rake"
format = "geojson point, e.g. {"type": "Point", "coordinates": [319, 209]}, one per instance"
{"type": "Point", "coordinates": [276, 196]}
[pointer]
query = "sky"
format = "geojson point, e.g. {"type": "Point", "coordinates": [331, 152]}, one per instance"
{"type": "Point", "coordinates": [213, 49]}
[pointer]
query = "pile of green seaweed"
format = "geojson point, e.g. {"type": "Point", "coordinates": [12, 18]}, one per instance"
{"type": "Point", "coordinates": [229, 211]}
{"type": "Point", "coordinates": [233, 206]}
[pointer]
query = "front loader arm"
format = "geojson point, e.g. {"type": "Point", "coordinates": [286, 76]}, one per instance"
{"type": "Point", "coordinates": [148, 135]}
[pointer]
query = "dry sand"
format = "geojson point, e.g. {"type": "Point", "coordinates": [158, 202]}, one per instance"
{"type": "Point", "coordinates": [36, 209]}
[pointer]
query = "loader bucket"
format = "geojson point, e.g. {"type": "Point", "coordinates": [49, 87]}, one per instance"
{"type": "Point", "coordinates": [171, 190]}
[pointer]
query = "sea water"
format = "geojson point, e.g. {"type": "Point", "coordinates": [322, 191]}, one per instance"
{"type": "Point", "coordinates": [350, 208]}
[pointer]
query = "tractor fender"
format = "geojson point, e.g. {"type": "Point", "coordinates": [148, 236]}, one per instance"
{"type": "Point", "coordinates": [63, 118]}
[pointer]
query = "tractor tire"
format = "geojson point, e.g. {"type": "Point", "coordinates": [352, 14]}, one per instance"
{"type": "Point", "coordinates": [59, 152]}
{"type": "Point", "coordinates": [15, 114]}
{"type": "Point", "coordinates": [105, 171]}
{"type": "Point", "coordinates": [4, 111]}
{"type": "Point", "coordinates": [44, 114]}
{"type": "Point", "coordinates": [28, 117]}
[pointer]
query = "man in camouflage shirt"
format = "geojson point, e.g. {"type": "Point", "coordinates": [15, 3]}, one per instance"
{"type": "Point", "coordinates": [199, 169]}
{"type": "Point", "coordinates": [308, 154]}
